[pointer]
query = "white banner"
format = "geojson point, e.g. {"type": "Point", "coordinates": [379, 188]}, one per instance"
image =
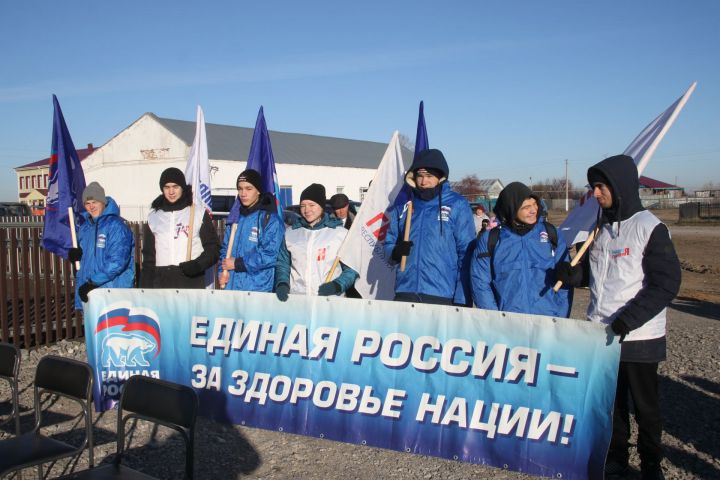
{"type": "Point", "coordinates": [197, 171]}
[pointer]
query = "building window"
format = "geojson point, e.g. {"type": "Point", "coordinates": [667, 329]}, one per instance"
{"type": "Point", "coordinates": [340, 189]}
{"type": "Point", "coordinates": [46, 180]}
{"type": "Point", "coordinates": [20, 179]}
{"type": "Point", "coordinates": [285, 196]}
{"type": "Point", "coordinates": [363, 191]}
{"type": "Point", "coordinates": [32, 179]}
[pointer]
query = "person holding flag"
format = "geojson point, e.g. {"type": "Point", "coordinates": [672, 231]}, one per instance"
{"type": "Point", "coordinates": [441, 229]}
{"type": "Point", "coordinates": [309, 250]}
{"type": "Point", "coordinates": [250, 248]}
{"type": "Point", "coordinates": [168, 235]}
{"type": "Point", "coordinates": [106, 246]}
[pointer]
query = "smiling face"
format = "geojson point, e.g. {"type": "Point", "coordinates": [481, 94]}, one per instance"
{"type": "Point", "coordinates": [603, 194]}
{"type": "Point", "coordinates": [94, 208]}
{"type": "Point", "coordinates": [527, 213]}
{"type": "Point", "coordinates": [311, 211]}
{"type": "Point", "coordinates": [172, 192]}
{"type": "Point", "coordinates": [248, 194]}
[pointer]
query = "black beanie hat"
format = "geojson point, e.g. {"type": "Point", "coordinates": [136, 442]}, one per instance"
{"type": "Point", "coordinates": [339, 200]}
{"type": "Point", "coordinates": [314, 192]}
{"type": "Point", "coordinates": [173, 175]}
{"type": "Point", "coordinates": [252, 177]}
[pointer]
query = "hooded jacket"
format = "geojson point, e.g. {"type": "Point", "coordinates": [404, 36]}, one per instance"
{"type": "Point", "coordinates": [258, 238]}
{"type": "Point", "coordinates": [634, 270]}
{"type": "Point", "coordinates": [108, 246]}
{"type": "Point", "coordinates": [520, 273]}
{"type": "Point", "coordinates": [441, 229]}
{"type": "Point", "coordinates": [307, 254]}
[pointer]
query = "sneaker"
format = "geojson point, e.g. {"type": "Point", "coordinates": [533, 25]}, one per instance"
{"type": "Point", "coordinates": [613, 468]}
{"type": "Point", "coordinates": [653, 472]}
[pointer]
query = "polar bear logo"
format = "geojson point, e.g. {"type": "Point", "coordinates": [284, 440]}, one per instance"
{"type": "Point", "coordinates": [119, 350]}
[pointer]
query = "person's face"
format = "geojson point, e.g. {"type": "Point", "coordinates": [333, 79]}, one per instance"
{"type": "Point", "coordinates": [603, 194]}
{"type": "Point", "coordinates": [426, 180]}
{"type": "Point", "coordinates": [527, 213]}
{"type": "Point", "coordinates": [479, 212]}
{"type": "Point", "coordinates": [310, 211]}
{"type": "Point", "coordinates": [342, 212]}
{"type": "Point", "coordinates": [172, 192]}
{"type": "Point", "coordinates": [94, 208]}
{"type": "Point", "coordinates": [248, 194]}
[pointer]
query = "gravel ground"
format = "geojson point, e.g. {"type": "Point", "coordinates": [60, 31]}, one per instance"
{"type": "Point", "coordinates": [690, 389]}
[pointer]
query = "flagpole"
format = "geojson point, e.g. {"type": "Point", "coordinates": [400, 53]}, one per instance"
{"type": "Point", "coordinates": [73, 235]}
{"type": "Point", "coordinates": [578, 256]}
{"type": "Point", "coordinates": [190, 233]}
{"type": "Point", "coordinates": [225, 274]}
{"type": "Point", "coordinates": [406, 236]}
{"type": "Point", "coordinates": [332, 270]}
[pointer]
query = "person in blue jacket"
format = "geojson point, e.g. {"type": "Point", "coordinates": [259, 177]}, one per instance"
{"type": "Point", "coordinates": [441, 229]}
{"type": "Point", "coordinates": [251, 263]}
{"type": "Point", "coordinates": [513, 267]}
{"type": "Point", "coordinates": [106, 246]}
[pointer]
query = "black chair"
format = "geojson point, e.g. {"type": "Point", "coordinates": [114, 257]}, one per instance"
{"type": "Point", "coordinates": [158, 401]}
{"type": "Point", "coordinates": [9, 371]}
{"type": "Point", "coordinates": [54, 375]}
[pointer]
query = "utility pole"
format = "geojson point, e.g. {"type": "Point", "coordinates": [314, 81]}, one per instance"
{"type": "Point", "coordinates": [567, 201]}
{"type": "Point", "coordinates": [530, 183]}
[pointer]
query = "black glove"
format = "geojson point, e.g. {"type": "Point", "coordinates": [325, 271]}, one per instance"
{"type": "Point", "coordinates": [569, 275]}
{"type": "Point", "coordinates": [240, 265]}
{"type": "Point", "coordinates": [75, 254]}
{"type": "Point", "coordinates": [329, 288]}
{"type": "Point", "coordinates": [191, 268]}
{"type": "Point", "coordinates": [620, 328]}
{"type": "Point", "coordinates": [84, 289]}
{"type": "Point", "coordinates": [282, 291]}
{"type": "Point", "coordinates": [402, 249]}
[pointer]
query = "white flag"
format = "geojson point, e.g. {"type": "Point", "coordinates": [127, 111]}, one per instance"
{"type": "Point", "coordinates": [582, 218]}
{"type": "Point", "coordinates": [363, 249]}
{"type": "Point", "coordinates": [197, 171]}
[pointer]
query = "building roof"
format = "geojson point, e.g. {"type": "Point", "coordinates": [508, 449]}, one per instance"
{"type": "Point", "coordinates": [82, 153]}
{"type": "Point", "coordinates": [41, 191]}
{"type": "Point", "coordinates": [647, 182]}
{"type": "Point", "coordinates": [227, 142]}
{"type": "Point", "coordinates": [485, 183]}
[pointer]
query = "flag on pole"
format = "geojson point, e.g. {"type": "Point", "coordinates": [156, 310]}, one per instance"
{"type": "Point", "coordinates": [65, 188]}
{"type": "Point", "coordinates": [261, 160]}
{"type": "Point", "coordinates": [197, 170]}
{"type": "Point", "coordinates": [362, 249]}
{"type": "Point", "coordinates": [421, 137]}
{"type": "Point", "coordinates": [582, 218]}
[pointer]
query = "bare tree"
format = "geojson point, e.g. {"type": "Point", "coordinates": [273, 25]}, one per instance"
{"type": "Point", "coordinates": [553, 188]}
{"type": "Point", "coordinates": [468, 186]}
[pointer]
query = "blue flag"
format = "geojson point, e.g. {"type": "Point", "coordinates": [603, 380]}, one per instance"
{"type": "Point", "coordinates": [421, 138]}
{"type": "Point", "coordinates": [261, 160]}
{"type": "Point", "coordinates": [65, 188]}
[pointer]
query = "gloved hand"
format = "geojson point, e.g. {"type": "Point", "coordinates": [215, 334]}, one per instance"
{"type": "Point", "coordinates": [282, 291]}
{"type": "Point", "coordinates": [75, 254]}
{"type": "Point", "coordinates": [84, 289]}
{"type": "Point", "coordinates": [569, 275]}
{"type": "Point", "coordinates": [402, 249]}
{"type": "Point", "coordinates": [329, 288]}
{"type": "Point", "coordinates": [191, 268]}
{"type": "Point", "coordinates": [620, 328]}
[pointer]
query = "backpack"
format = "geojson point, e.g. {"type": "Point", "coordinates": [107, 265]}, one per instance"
{"type": "Point", "coordinates": [494, 236]}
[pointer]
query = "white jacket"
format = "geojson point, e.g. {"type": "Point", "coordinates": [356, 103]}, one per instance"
{"type": "Point", "coordinates": [171, 235]}
{"type": "Point", "coordinates": [313, 253]}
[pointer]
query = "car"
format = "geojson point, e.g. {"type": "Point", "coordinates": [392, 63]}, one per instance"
{"type": "Point", "coordinates": [14, 209]}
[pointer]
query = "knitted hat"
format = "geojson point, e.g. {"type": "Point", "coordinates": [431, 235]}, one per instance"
{"type": "Point", "coordinates": [173, 175]}
{"type": "Point", "coordinates": [252, 177]}
{"type": "Point", "coordinates": [94, 192]}
{"type": "Point", "coordinates": [314, 192]}
{"type": "Point", "coordinates": [339, 200]}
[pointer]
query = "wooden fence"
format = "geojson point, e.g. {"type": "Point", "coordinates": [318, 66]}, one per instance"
{"type": "Point", "coordinates": [39, 287]}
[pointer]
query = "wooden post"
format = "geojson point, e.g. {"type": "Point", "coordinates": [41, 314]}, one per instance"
{"type": "Point", "coordinates": [576, 259]}
{"type": "Point", "coordinates": [188, 256]}
{"type": "Point", "coordinates": [225, 274]}
{"type": "Point", "coordinates": [73, 234]}
{"type": "Point", "coordinates": [332, 270]}
{"type": "Point", "coordinates": [406, 236]}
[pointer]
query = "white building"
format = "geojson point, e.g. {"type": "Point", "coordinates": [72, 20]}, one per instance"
{"type": "Point", "coordinates": [128, 166]}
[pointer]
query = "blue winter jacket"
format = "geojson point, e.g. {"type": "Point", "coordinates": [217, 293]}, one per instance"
{"type": "Point", "coordinates": [108, 246]}
{"type": "Point", "coordinates": [522, 274]}
{"type": "Point", "coordinates": [257, 241]}
{"type": "Point", "coordinates": [440, 236]}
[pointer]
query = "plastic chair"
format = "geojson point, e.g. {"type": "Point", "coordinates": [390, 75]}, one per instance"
{"type": "Point", "coordinates": [158, 401]}
{"type": "Point", "coordinates": [54, 375]}
{"type": "Point", "coordinates": [9, 371]}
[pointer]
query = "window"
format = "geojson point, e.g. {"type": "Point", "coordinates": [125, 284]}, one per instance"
{"type": "Point", "coordinates": [20, 179]}
{"type": "Point", "coordinates": [32, 178]}
{"type": "Point", "coordinates": [340, 189]}
{"type": "Point", "coordinates": [46, 180]}
{"type": "Point", "coordinates": [285, 196]}
{"type": "Point", "coordinates": [363, 191]}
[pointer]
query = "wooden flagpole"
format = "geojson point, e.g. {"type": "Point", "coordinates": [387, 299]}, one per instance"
{"type": "Point", "coordinates": [406, 236]}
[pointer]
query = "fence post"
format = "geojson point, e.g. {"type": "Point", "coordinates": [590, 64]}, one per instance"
{"type": "Point", "coordinates": [4, 320]}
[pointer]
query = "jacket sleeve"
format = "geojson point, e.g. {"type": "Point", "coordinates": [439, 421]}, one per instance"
{"type": "Point", "coordinates": [464, 233]}
{"type": "Point", "coordinates": [661, 267]}
{"type": "Point", "coordinates": [147, 275]}
{"type": "Point", "coordinates": [210, 244]}
{"type": "Point", "coordinates": [270, 238]}
{"type": "Point", "coordinates": [393, 233]}
{"type": "Point", "coordinates": [282, 266]}
{"type": "Point", "coordinates": [118, 253]}
{"type": "Point", "coordinates": [480, 275]}
{"type": "Point", "coordinates": [347, 277]}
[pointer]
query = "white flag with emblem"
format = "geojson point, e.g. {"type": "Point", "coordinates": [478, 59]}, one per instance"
{"type": "Point", "coordinates": [197, 171]}
{"type": "Point", "coordinates": [582, 218]}
{"type": "Point", "coordinates": [362, 249]}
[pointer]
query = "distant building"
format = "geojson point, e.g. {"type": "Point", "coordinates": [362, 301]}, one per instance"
{"type": "Point", "coordinates": [32, 181]}
{"type": "Point", "coordinates": [491, 187]}
{"type": "Point", "coordinates": [650, 187]}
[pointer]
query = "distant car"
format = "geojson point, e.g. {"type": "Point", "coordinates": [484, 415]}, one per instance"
{"type": "Point", "coordinates": [14, 209]}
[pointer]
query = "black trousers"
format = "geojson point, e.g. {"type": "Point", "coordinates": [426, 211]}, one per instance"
{"type": "Point", "coordinates": [637, 382]}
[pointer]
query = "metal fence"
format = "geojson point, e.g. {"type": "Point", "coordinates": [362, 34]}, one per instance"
{"type": "Point", "coordinates": [702, 211]}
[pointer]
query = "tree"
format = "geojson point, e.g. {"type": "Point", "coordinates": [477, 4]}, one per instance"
{"type": "Point", "coordinates": [468, 186]}
{"type": "Point", "coordinates": [553, 188]}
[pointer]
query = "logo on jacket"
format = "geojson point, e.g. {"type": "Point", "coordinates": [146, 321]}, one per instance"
{"type": "Point", "coordinates": [253, 234]}
{"type": "Point", "coordinates": [620, 252]}
{"type": "Point", "coordinates": [181, 229]}
{"type": "Point", "coordinates": [101, 239]}
{"type": "Point", "coordinates": [321, 254]}
{"type": "Point", "coordinates": [444, 214]}
{"type": "Point", "coordinates": [128, 343]}
{"type": "Point", "coordinates": [544, 237]}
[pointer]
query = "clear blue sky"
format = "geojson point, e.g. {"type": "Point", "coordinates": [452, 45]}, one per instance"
{"type": "Point", "coordinates": [511, 88]}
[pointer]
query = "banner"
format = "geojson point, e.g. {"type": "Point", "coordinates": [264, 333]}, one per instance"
{"type": "Point", "coordinates": [524, 392]}
{"type": "Point", "coordinates": [582, 218]}
{"type": "Point", "coordinates": [197, 169]}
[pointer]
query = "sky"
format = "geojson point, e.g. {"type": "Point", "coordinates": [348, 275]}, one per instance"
{"type": "Point", "coordinates": [511, 88]}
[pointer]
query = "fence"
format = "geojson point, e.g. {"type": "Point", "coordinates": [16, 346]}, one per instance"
{"type": "Point", "coordinates": [39, 287]}
{"type": "Point", "coordinates": [705, 211]}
